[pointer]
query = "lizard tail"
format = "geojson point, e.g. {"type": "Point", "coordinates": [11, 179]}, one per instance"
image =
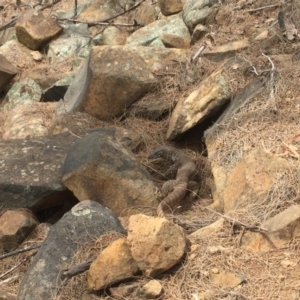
{"type": "Point", "coordinates": [172, 200]}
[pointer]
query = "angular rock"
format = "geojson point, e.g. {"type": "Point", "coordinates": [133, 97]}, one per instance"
{"type": "Point", "coordinates": [86, 221]}
{"type": "Point", "coordinates": [25, 91]}
{"type": "Point", "coordinates": [220, 53]}
{"type": "Point", "coordinates": [144, 14]}
{"type": "Point", "coordinates": [156, 244]}
{"type": "Point", "coordinates": [151, 35]}
{"type": "Point", "coordinates": [113, 264]}
{"type": "Point", "coordinates": [15, 226]}
{"type": "Point", "coordinates": [169, 7]}
{"type": "Point", "coordinates": [74, 40]}
{"type": "Point", "coordinates": [198, 12]}
{"type": "Point", "coordinates": [34, 30]}
{"type": "Point", "coordinates": [100, 169]}
{"type": "Point", "coordinates": [212, 93]}
{"type": "Point", "coordinates": [152, 289]}
{"type": "Point", "coordinates": [31, 169]}
{"type": "Point", "coordinates": [250, 181]}
{"type": "Point", "coordinates": [7, 72]}
{"type": "Point", "coordinates": [175, 41]}
{"type": "Point", "coordinates": [113, 36]}
{"type": "Point", "coordinates": [119, 78]}
{"type": "Point", "coordinates": [26, 120]}
{"type": "Point", "coordinates": [281, 229]}
{"type": "Point", "coordinates": [207, 231]}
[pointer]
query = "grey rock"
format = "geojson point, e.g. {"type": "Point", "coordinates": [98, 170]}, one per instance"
{"type": "Point", "coordinates": [86, 221]}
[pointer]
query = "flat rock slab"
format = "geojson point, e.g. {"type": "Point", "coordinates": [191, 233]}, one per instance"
{"type": "Point", "coordinates": [86, 221]}
{"type": "Point", "coordinates": [31, 168]}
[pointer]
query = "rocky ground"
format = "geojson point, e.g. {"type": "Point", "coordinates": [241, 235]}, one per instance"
{"type": "Point", "coordinates": [218, 80]}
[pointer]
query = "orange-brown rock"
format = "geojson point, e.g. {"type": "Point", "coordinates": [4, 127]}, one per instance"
{"type": "Point", "coordinates": [14, 228]}
{"type": "Point", "coordinates": [226, 280]}
{"type": "Point", "coordinates": [281, 229]}
{"type": "Point", "coordinates": [169, 7]}
{"type": "Point", "coordinates": [156, 244]}
{"type": "Point", "coordinates": [113, 264]}
{"type": "Point", "coordinates": [34, 29]}
{"type": "Point", "coordinates": [175, 41]}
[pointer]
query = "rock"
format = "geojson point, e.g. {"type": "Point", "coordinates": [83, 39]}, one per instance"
{"type": "Point", "coordinates": [226, 51]}
{"type": "Point", "coordinates": [100, 169]}
{"type": "Point", "coordinates": [262, 36]}
{"type": "Point", "coordinates": [250, 181]}
{"type": "Point", "coordinates": [207, 231]}
{"type": "Point", "coordinates": [198, 12]}
{"type": "Point", "coordinates": [113, 36]}
{"type": "Point", "coordinates": [152, 289]}
{"type": "Point", "coordinates": [156, 244]}
{"type": "Point", "coordinates": [73, 41]}
{"type": "Point", "coordinates": [7, 296]}
{"type": "Point", "coordinates": [281, 229]}
{"type": "Point", "coordinates": [226, 280]}
{"type": "Point", "coordinates": [151, 35]}
{"type": "Point", "coordinates": [119, 78]}
{"type": "Point", "coordinates": [169, 7]}
{"type": "Point", "coordinates": [34, 30]}
{"type": "Point", "coordinates": [86, 221]}
{"type": "Point", "coordinates": [175, 41]}
{"type": "Point", "coordinates": [7, 35]}
{"type": "Point", "coordinates": [7, 72]}
{"type": "Point", "coordinates": [144, 14]}
{"type": "Point", "coordinates": [26, 120]}
{"type": "Point", "coordinates": [25, 91]}
{"type": "Point", "coordinates": [198, 33]}
{"type": "Point", "coordinates": [17, 54]}
{"type": "Point", "coordinates": [113, 264]}
{"type": "Point", "coordinates": [15, 226]}
{"type": "Point", "coordinates": [31, 170]}
{"type": "Point", "coordinates": [119, 292]}
{"type": "Point", "coordinates": [36, 55]}
{"type": "Point", "coordinates": [212, 93]}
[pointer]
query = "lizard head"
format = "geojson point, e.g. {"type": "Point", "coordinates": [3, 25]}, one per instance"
{"type": "Point", "coordinates": [161, 152]}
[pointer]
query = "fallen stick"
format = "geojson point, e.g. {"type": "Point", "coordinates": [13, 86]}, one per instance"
{"type": "Point", "coordinates": [12, 253]}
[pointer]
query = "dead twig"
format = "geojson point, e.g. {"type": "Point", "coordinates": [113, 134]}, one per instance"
{"type": "Point", "coordinates": [266, 7]}
{"type": "Point", "coordinates": [12, 253]}
{"type": "Point", "coordinates": [201, 49]}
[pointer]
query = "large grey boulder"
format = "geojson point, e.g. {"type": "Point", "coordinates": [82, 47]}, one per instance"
{"type": "Point", "coordinates": [86, 221]}
{"type": "Point", "coordinates": [100, 169]}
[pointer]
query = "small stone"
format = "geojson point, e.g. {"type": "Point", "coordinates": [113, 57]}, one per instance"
{"type": "Point", "coordinates": [288, 263]}
{"type": "Point", "coordinates": [152, 289]}
{"type": "Point", "coordinates": [36, 55]}
{"type": "Point", "coordinates": [226, 280]}
{"type": "Point", "coordinates": [215, 270]}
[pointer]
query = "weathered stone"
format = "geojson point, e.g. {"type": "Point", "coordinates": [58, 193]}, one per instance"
{"type": "Point", "coordinates": [113, 264]}
{"type": "Point", "coordinates": [212, 93]}
{"type": "Point", "coordinates": [31, 169]}
{"type": "Point", "coordinates": [169, 7]}
{"type": "Point", "coordinates": [26, 120]}
{"type": "Point", "coordinates": [250, 181]}
{"type": "Point", "coordinates": [119, 78]}
{"type": "Point", "coordinates": [100, 169]}
{"type": "Point", "coordinates": [33, 29]}
{"type": "Point", "coordinates": [152, 289]}
{"type": "Point", "coordinates": [226, 280]}
{"type": "Point", "coordinates": [262, 36]}
{"type": "Point", "coordinates": [220, 53]}
{"type": "Point", "coordinates": [144, 14]}
{"type": "Point", "coordinates": [197, 12]}
{"type": "Point", "coordinates": [86, 221]}
{"type": "Point", "coordinates": [74, 40]}
{"type": "Point", "coordinates": [198, 33]}
{"type": "Point", "coordinates": [175, 41]}
{"type": "Point", "coordinates": [36, 55]}
{"type": "Point", "coordinates": [17, 54]}
{"type": "Point", "coordinates": [156, 244]}
{"type": "Point", "coordinates": [7, 35]}
{"type": "Point", "coordinates": [119, 292]}
{"type": "Point", "coordinates": [7, 72]}
{"type": "Point", "coordinates": [281, 229]}
{"type": "Point", "coordinates": [25, 91]}
{"type": "Point", "coordinates": [113, 36]}
{"type": "Point", "coordinates": [151, 35]}
{"type": "Point", "coordinates": [15, 226]}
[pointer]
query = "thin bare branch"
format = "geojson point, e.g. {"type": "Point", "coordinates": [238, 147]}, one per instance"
{"type": "Point", "coordinates": [35, 246]}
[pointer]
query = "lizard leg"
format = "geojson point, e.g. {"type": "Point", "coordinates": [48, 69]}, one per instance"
{"type": "Point", "coordinates": [193, 188]}
{"type": "Point", "coordinates": [167, 188]}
